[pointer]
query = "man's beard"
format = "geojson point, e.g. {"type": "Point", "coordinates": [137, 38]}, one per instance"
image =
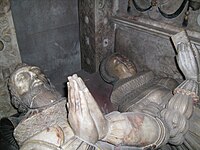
{"type": "Point", "coordinates": [40, 96]}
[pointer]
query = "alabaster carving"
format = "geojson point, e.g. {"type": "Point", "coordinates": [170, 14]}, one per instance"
{"type": "Point", "coordinates": [137, 89]}
{"type": "Point", "coordinates": [116, 67]}
{"type": "Point", "coordinates": [30, 89]}
{"type": "Point", "coordinates": [162, 97]}
{"type": "Point", "coordinates": [126, 129]}
{"type": "Point", "coordinates": [43, 122]}
{"type": "Point", "coordinates": [161, 114]}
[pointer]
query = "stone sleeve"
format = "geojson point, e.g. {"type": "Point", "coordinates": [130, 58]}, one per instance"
{"type": "Point", "coordinates": [190, 88]}
{"type": "Point", "coordinates": [179, 110]}
{"type": "Point", "coordinates": [135, 129]}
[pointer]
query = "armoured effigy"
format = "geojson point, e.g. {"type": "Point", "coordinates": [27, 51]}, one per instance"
{"type": "Point", "coordinates": [42, 123]}
{"type": "Point", "coordinates": [130, 86]}
{"type": "Point", "coordinates": [143, 92]}
{"type": "Point", "coordinates": [155, 118]}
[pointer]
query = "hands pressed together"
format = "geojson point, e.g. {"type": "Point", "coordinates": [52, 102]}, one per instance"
{"type": "Point", "coordinates": [85, 117]}
{"type": "Point", "coordinates": [187, 60]}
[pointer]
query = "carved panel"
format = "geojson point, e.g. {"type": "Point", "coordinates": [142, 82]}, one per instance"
{"type": "Point", "coordinates": [148, 51]}
{"type": "Point", "coordinates": [167, 6]}
{"type": "Point", "coordinates": [9, 52]}
{"type": "Point", "coordinates": [97, 30]}
{"type": "Point", "coordinates": [147, 43]}
{"type": "Point", "coordinates": [9, 56]}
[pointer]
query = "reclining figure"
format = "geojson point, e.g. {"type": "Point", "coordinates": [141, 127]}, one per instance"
{"type": "Point", "coordinates": [152, 121]}
{"type": "Point", "coordinates": [43, 123]}
{"type": "Point", "coordinates": [150, 116]}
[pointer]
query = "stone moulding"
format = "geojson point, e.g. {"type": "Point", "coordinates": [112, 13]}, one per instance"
{"type": "Point", "coordinates": [153, 27]}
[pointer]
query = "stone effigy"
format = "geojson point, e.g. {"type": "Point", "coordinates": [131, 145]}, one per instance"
{"type": "Point", "coordinates": [131, 87]}
{"type": "Point", "coordinates": [42, 123]}
{"type": "Point", "coordinates": [146, 93]}
{"type": "Point", "coordinates": [154, 119]}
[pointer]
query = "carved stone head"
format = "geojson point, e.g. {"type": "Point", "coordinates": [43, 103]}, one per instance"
{"type": "Point", "coordinates": [116, 67]}
{"type": "Point", "coordinates": [30, 89]}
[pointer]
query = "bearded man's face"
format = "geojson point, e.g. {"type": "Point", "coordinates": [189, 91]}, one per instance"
{"type": "Point", "coordinates": [27, 78]}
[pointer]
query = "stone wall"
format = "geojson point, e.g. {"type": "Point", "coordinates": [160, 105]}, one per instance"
{"type": "Point", "coordinates": [48, 36]}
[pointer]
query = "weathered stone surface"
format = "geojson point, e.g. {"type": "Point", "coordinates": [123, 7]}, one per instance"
{"type": "Point", "coordinates": [148, 52]}
{"type": "Point", "coordinates": [96, 32]}
{"type": "Point", "coordinates": [146, 41]}
{"type": "Point", "coordinates": [168, 7]}
{"type": "Point", "coordinates": [9, 56]}
{"type": "Point", "coordinates": [48, 36]}
{"type": "Point", "coordinates": [6, 109]}
{"type": "Point", "coordinates": [9, 52]}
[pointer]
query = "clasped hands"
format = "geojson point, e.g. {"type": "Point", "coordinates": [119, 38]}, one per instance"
{"type": "Point", "coordinates": [187, 60]}
{"type": "Point", "coordinates": [85, 117]}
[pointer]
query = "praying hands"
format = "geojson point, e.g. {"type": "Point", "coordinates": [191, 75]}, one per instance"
{"type": "Point", "coordinates": [85, 116]}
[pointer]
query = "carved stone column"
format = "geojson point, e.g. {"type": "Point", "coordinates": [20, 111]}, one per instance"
{"type": "Point", "coordinates": [9, 56]}
{"type": "Point", "coordinates": [96, 32]}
